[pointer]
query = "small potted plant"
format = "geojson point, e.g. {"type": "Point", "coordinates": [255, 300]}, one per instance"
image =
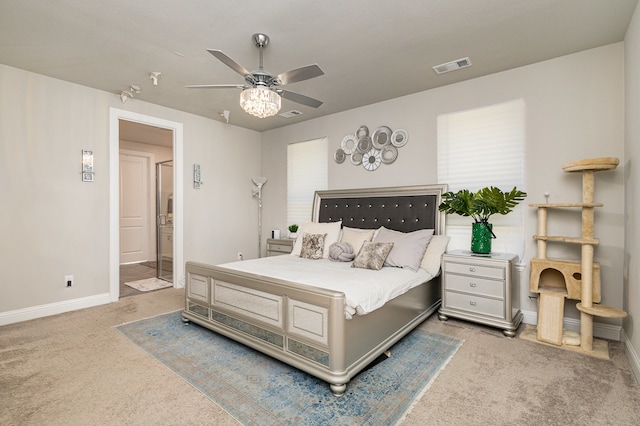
{"type": "Point", "coordinates": [480, 206]}
{"type": "Point", "coordinates": [293, 229]}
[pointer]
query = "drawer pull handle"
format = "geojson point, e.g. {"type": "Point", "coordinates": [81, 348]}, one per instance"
{"type": "Point", "coordinates": [472, 269]}
{"type": "Point", "coordinates": [472, 303]}
{"type": "Point", "coordinates": [472, 284]}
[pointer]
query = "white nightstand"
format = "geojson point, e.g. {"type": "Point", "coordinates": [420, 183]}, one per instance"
{"type": "Point", "coordinates": [478, 288]}
{"type": "Point", "coordinates": [278, 246]}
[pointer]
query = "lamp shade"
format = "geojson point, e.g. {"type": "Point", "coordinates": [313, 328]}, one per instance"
{"type": "Point", "coordinates": [260, 101]}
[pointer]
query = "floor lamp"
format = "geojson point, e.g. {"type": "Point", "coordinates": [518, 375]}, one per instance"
{"type": "Point", "coordinates": [259, 182]}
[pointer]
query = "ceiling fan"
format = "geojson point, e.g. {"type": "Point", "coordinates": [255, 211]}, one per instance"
{"type": "Point", "coordinates": [261, 94]}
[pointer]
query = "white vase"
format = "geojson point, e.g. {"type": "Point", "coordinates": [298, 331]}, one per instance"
{"type": "Point", "coordinates": [293, 235]}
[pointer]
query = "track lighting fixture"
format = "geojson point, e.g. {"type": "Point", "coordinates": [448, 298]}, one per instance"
{"type": "Point", "coordinates": [155, 76]}
{"type": "Point", "coordinates": [124, 95]}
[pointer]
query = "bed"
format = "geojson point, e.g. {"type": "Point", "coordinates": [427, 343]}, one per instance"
{"type": "Point", "coordinates": [310, 327]}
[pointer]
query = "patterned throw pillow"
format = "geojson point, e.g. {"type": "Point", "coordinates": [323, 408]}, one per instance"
{"type": "Point", "coordinates": [372, 255]}
{"type": "Point", "coordinates": [312, 246]}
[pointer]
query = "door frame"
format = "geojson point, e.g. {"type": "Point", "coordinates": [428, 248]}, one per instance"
{"type": "Point", "coordinates": [115, 115]}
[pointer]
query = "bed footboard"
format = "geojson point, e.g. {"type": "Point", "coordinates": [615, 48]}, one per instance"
{"type": "Point", "coordinates": [300, 325]}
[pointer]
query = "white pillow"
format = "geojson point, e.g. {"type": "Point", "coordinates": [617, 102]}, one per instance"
{"type": "Point", "coordinates": [332, 229]}
{"type": "Point", "coordinates": [356, 237]}
{"type": "Point", "coordinates": [433, 256]}
{"type": "Point", "coordinates": [408, 247]}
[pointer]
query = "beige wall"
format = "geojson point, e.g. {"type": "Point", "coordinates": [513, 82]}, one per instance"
{"type": "Point", "coordinates": [53, 224]}
{"type": "Point", "coordinates": [632, 190]}
{"type": "Point", "coordinates": [574, 110]}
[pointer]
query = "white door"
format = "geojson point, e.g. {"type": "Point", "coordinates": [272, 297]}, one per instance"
{"type": "Point", "coordinates": [134, 208]}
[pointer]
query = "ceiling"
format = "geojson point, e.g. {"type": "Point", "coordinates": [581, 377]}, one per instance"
{"type": "Point", "coordinates": [370, 51]}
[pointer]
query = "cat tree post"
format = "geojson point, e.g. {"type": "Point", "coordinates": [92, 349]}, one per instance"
{"type": "Point", "coordinates": [586, 320]}
{"type": "Point", "coordinates": [542, 231]}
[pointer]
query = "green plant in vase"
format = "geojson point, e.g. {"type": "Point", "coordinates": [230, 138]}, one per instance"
{"type": "Point", "coordinates": [293, 229]}
{"type": "Point", "coordinates": [481, 205]}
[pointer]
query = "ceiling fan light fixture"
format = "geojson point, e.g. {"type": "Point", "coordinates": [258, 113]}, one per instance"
{"type": "Point", "coordinates": [260, 101]}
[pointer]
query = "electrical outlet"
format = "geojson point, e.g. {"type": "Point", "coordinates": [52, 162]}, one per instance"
{"type": "Point", "coordinates": [68, 280]}
{"type": "Point", "coordinates": [240, 256]}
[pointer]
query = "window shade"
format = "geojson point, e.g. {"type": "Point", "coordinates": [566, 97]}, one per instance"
{"type": "Point", "coordinates": [307, 164]}
{"type": "Point", "coordinates": [484, 147]}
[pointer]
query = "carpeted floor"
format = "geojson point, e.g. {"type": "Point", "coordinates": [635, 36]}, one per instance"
{"type": "Point", "coordinates": [259, 390]}
{"type": "Point", "coordinates": [77, 369]}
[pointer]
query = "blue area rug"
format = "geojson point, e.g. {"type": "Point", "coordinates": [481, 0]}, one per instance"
{"type": "Point", "coordinates": [258, 390]}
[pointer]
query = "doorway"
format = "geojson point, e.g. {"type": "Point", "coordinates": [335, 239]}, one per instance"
{"type": "Point", "coordinates": [176, 273]}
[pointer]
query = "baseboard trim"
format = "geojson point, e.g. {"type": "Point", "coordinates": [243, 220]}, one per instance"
{"type": "Point", "coordinates": [632, 356]}
{"type": "Point", "coordinates": [602, 331]}
{"type": "Point", "coordinates": [40, 311]}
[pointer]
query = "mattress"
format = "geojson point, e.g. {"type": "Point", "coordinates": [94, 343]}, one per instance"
{"type": "Point", "coordinates": [365, 290]}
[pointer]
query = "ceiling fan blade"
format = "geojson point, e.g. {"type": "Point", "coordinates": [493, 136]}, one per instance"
{"type": "Point", "coordinates": [300, 74]}
{"type": "Point", "coordinates": [217, 86]}
{"type": "Point", "coordinates": [230, 62]}
{"type": "Point", "coordinates": [298, 98]}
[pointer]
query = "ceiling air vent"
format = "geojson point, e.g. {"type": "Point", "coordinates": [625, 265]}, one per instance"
{"type": "Point", "coordinates": [452, 66]}
{"type": "Point", "coordinates": [289, 114]}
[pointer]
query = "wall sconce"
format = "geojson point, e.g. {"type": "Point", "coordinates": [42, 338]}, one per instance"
{"type": "Point", "coordinates": [87, 165]}
{"type": "Point", "coordinates": [196, 176]}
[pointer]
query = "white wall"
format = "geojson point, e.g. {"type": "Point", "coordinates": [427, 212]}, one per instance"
{"type": "Point", "coordinates": [632, 190]}
{"type": "Point", "coordinates": [53, 224]}
{"type": "Point", "coordinates": [574, 110]}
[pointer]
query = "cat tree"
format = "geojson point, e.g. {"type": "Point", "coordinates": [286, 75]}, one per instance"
{"type": "Point", "coordinates": [556, 280]}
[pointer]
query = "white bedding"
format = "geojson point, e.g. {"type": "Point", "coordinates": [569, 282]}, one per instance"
{"type": "Point", "coordinates": [365, 290]}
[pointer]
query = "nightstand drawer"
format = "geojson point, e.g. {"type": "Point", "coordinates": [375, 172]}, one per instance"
{"type": "Point", "coordinates": [475, 285]}
{"type": "Point", "coordinates": [282, 248]}
{"type": "Point", "coordinates": [475, 270]}
{"type": "Point", "coordinates": [279, 246]}
{"type": "Point", "coordinates": [474, 304]}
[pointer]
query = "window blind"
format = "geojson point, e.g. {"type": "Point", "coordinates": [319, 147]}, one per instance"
{"type": "Point", "coordinates": [485, 147]}
{"type": "Point", "coordinates": [307, 172]}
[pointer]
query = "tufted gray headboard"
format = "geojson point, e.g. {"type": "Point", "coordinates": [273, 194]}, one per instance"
{"type": "Point", "coordinates": [404, 208]}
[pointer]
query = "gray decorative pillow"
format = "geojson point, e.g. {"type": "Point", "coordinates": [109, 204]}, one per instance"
{"type": "Point", "coordinates": [372, 255]}
{"type": "Point", "coordinates": [408, 247]}
{"type": "Point", "coordinates": [312, 246]}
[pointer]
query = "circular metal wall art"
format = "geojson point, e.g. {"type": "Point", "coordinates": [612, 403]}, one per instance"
{"type": "Point", "coordinates": [364, 144]}
{"type": "Point", "coordinates": [389, 154]}
{"type": "Point", "coordinates": [356, 158]}
{"type": "Point", "coordinates": [362, 132]}
{"type": "Point", "coordinates": [381, 137]}
{"type": "Point", "coordinates": [349, 144]}
{"type": "Point", "coordinates": [399, 138]}
{"type": "Point", "coordinates": [372, 160]}
{"type": "Point", "coordinates": [371, 151]}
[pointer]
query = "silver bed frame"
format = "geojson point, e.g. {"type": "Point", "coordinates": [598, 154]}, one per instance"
{"type": "Point", "coordinates": [305, 326]}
